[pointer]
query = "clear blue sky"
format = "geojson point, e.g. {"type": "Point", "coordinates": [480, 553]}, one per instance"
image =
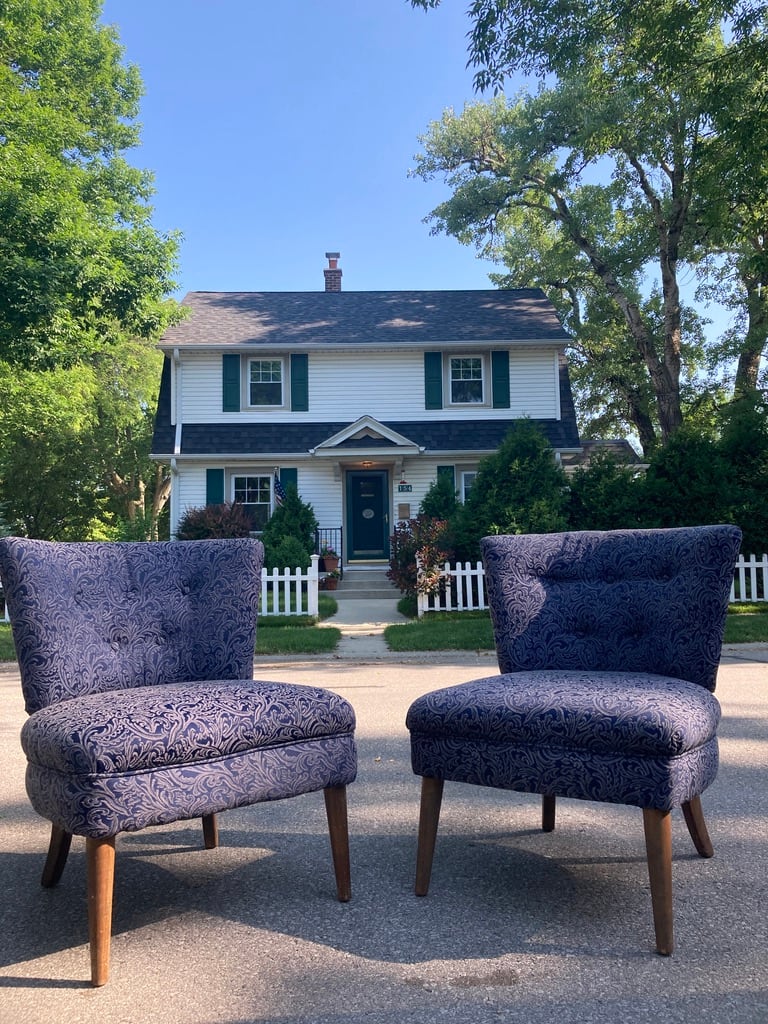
{"type": "Point", "coordinates": [278, 131]}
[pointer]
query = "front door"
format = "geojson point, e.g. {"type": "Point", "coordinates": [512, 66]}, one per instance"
{"type": "Point", "coordinates": [368, 514]}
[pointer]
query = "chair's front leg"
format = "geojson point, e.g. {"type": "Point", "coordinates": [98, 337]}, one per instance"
{"type": "Point", "coordinates": [338, 830]}
{"type": "Point", "coordinates": [429, 817]}
{"type": "Point", "coordinates": [658, 846]}
{"type": "Point", "coordinates": [58, 851]}
{"type": "Point", "coordinates": [101, 876]}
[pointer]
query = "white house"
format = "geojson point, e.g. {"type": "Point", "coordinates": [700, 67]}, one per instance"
{"type": "Point", "coordinates": [359, 398]}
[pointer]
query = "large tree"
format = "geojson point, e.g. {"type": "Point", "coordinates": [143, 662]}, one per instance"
{"type": "Point", "coordinates": [80, 260]}
{"type": "Point", "coordinates": [84, 279]}
{"type": "Point", "coordinates": [634, 154]}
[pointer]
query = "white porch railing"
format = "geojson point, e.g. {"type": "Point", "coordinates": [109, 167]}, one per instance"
{"type": "Point", "coordinates": [463, 586]}
{"type": "Point", "coordinates": [289, 591]}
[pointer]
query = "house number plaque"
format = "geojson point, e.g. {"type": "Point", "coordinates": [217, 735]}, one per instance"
{"type": "Point", "coordinates": [404, 488]}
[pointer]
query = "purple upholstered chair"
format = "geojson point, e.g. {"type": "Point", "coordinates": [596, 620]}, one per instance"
{"type": "Point", "coordinates": [608, 646]}
{"type": "Point", "coordinates": [137, 669]}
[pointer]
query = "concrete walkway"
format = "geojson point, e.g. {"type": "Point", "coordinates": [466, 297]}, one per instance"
{"type": "Point", "coordinates": [362, 623]}
{"type": "Point", "coordinates": [520, 926]}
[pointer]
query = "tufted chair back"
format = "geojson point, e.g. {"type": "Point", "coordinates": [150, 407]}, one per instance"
{"type": "Point", "coordinates": [562, 601]}
{"type": "Point", "coordinates": [90, 617]}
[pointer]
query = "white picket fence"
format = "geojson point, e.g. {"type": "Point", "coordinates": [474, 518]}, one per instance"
{"type": "Point", "coordinates": [290, 591]}
{"type": "Point", "coordinates": [462, 586]}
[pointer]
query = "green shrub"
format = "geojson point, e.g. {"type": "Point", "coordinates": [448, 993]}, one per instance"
{"type": "Point", "coordinates": [211, 521]}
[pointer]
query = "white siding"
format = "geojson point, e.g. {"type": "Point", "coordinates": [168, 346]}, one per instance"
{"type": "Point", "coordinates": [385, 385]}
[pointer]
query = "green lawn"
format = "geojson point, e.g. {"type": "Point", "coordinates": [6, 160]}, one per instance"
{"type": "Point", "coordinates": [438, 631]}
{"type": "Point", "coordinates": [471, 631]}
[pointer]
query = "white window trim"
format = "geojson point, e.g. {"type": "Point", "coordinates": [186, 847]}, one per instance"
{"type": "Point", "coordinates": [284, 390]}
{"type": "Point", "coordinates": [463, 474]}
{"type": "Point", "coordinates": [485, 378]}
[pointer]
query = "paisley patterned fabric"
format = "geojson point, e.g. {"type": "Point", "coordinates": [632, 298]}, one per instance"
{"type": "Point", "coordinates": [93, 617]}
{"type": "Point", "coordinates": [136, 664]}
{"type": "Point", "coordinates": [608, 644]}
{"type": "Point", "coordinates": [631, 738]}
{"type": "Point", "coordinates": [628, 600]}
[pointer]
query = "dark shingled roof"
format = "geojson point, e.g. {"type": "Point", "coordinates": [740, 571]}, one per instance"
{"type": "Point", "coordinates": [314, 319]}
{"type": "Point", "coordinates": [438, 435]}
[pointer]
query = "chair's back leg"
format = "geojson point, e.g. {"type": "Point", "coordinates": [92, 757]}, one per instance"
{"type": "Point", "coordinates": [548, 804]}
{"type": "Point", "coordinates": [429, 817]}
{"type": "Point", "coordinates": [338, 830]}
{"type": "Point", "coordinates": [210, 831]}
{"type": "Point", "coordinates": [101, 877]}
{"type": "Point", "coordinates": [697, 827]}
{"type": "Point", "coordinates": [58, 851]}
{"type": "Point", "coordinates": [658, 845]}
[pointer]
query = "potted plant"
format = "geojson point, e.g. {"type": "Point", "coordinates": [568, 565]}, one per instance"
{"type": "Point", "coordinates": [330, 558]}
{"type": "Point", "coordinates": [331, 579]}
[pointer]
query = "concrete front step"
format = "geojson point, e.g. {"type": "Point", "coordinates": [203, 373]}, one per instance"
{"type": "Point", "coordinates": [367, 584]}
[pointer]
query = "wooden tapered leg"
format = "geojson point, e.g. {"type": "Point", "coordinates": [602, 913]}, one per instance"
{"type": "Point", "coordinates": [210, 831]}
{"type": "Point", "coordinates": [694, 819]}
{"type": "Point", "coordinates": [429, 816]}
{"type": "Point", "coordinates": [658, 845]}
{"type": "Point", "coordinates": [338, 830]}
{"type": "Point", "coordinates": [101, 875]}
{"type": "Point", "coordinates": [548, 813]}
{"type": "Point", "coordinates": [58, 851]}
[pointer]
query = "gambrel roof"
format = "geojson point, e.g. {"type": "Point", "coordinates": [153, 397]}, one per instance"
{"type": "Point", "coordinates": [307, 320]}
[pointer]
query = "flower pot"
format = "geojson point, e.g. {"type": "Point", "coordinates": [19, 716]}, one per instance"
{"type": "Point", "coordinates": [330, 563]}
{"type": "Point", "coordinates": [331, 583]}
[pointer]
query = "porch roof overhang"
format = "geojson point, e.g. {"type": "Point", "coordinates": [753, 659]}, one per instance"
{"type": "Point", "coordinates": [365, 438]}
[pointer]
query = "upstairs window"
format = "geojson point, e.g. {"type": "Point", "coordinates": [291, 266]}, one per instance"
{"type": "Point", "coordinates": [254, 493]}
{"type": "Point", "coordinates": [466, 380]}
{"type": "Point", "coordinates": [265, 382]}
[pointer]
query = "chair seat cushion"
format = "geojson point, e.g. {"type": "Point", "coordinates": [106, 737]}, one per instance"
{"type": "Point", "coordinates": [602, 712]}
{"type": "Point", "coordinates": [152, 727]}
{"type": "Point", "coordinates": [630, 738]}
{"type": "Point", "coordinates": [124, 759]}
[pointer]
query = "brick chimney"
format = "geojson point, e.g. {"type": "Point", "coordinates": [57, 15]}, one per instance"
{"type": "Point", "coordinates": [332, 272]}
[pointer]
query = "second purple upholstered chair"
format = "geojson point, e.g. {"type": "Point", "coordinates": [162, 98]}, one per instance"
{"type": "Point", "coordinates": [608, 646]}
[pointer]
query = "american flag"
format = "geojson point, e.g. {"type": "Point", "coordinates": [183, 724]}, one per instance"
{"type": "Point", "coordinates": [279, 491]}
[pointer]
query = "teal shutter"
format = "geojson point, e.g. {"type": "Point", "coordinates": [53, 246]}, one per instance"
{"type": "Point", "coordinates": [500, 379]}
{"type": "Point", "coordinates": [214, 486]}
{"type": "Point", "coordinates": [433, 380]}
{"type": "Point", "coordinates": [450, 472]}
{"type": "Point", "coordinates": [300, 383]}
{"type": "Point", "coordinates": [289, 477]}
{"type": "Point", "coordinates": [230, 383]}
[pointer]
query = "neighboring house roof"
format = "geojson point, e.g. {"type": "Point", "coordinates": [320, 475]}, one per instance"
{"type": "Point", "coordinates": [621, 450]}
{"type": "Point", "coordinates": [291, 439]}
{"type": "Point", "coordinates": [321, 319]}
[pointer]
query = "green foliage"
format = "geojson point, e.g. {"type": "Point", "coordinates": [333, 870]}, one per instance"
{"type": "Point", "coordinates": [80, 261]}
{"type": "Point", "coordinates": [604, 495]}
{"type": "Point", "coordinates": [663, 103]}
{"type": "Point", "coordinates": [518, 489]}
{"type": "Point", "coordinates": [423, 538]}
{"type": "Point", "coordinates": [440, 501]}
{"type": "Point", "coordinates": [294, 520]}
{"type": "Point", "coordinates": [211, 521]}
{"type": "Point", "coordinates": [288, 553]}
